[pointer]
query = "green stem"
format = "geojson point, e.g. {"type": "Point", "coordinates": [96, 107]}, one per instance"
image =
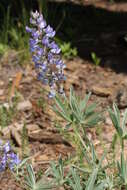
{"type": "Point", "coordinates": [122, 144]}
{"type": "Point", "coordinates": [81, 145]}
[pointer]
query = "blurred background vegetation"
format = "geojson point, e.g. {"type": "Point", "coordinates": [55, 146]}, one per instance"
{"type": "Point", "coordinates": [14, 16]}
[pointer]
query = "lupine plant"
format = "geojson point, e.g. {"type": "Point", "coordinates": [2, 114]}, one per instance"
{"type": "Point", "coordinates": [84, 170]}
{"type": "Point", "coordinates": [46, 54]}
{"type": "Point", "coordinates": [78, 116]}
{"type": "Point", "coordinates": [8, 159]}
{"type": "Point", "coordinates": [119, 125]}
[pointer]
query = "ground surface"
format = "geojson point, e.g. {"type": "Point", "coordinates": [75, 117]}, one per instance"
{"type": "Point", "coordinates": [107, 82]}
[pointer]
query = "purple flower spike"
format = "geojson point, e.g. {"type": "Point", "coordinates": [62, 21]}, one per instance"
{"type": "Point", "coordinates": [46, 54]}
{"type": "Point", "coordinates": [8, 159]}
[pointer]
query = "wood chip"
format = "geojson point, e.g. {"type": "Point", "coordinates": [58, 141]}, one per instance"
{"type": "Point", "coordinates": [16, 136]}
{"type": "Point", "coordinates": [100, 91]}
{"type": "Point", "coordinates": [47, 137]}
{"type": "Point", "coordinates": [15, 83]}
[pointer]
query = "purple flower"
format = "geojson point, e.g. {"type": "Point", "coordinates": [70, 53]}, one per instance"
{"type": "Point", "coordinates": [54, 48]}
{"type": "Point", "coordinates": [49, 32]}
{"type": "Point", "coordinates": [41, 22]}
{"type": "Point", "coordinates": [13, 160]}
{"type": "Point", "coordinates": [52, 94]}
{"type": "Point", "coordinates": [35, 15]}
{"type": "Point", "coordinates": [35, 58]}
{"type": "Point", "coordinates": [8, 159]}
{"type": "Point", "coordinates": [44, 66]}
{"type": "Point", "coordinates": [60, 64]}
{"type": "Point", "coordinates": [28, 29]}
{"type": "Point", "coordinates": [35, 34]}
{"type": "Point", "coordinates": [7, 147]}
{"type": "Point", "coordinates": [45, 54]}
{"type": "Point", "coordinates": [45, 41]}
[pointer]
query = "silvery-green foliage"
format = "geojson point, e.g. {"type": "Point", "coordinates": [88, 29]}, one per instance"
{"type": "Point", "coordinates": [20, 169]}
{"type": "Point", "coordinates": [75, 180]}
{"type": "Point", "coordinates": [106, 183]}
{"type": "Point", "coordinates": [76, 110]}
{"type": "Point", "coordinates": [119, 125]}
{"type": "Point", "coordinates": [56, 170]}
{"type": "Point", "coordinates": [122, 168]}
{"type": "Point", "coordinates": [96, 171]}
{"type": "Point", "coordinates": [32, 184]}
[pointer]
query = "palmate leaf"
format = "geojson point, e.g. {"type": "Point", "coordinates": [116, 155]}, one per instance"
{"type": "Point", "coordinates": [62, 110]}
{"type": "Point", "coordinates": [92, 120]}
{"type": "Point", "coordinates": [57, 172]}
{"type": "Point", "coordinates": [119, 126]}
{"type": "Point", "coordinates": [115, 117]}
{"type": "Point", "coordinates": [90, 110]}
{"type": "Point", "coordinates": [76, 111]}
{"type": "Point", "coordinates": [83, 103]}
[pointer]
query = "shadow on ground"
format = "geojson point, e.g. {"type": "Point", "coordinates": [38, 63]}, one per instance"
{"type": "Point", "coordinates": [93, 29]}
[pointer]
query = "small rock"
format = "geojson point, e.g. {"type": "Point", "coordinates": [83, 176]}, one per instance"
{"type": "Point", "coordinates": [100, 91]}
{"type": "Point", "coordinates": [25, 105]}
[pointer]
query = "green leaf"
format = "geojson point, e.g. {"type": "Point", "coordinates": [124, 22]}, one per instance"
{"type": "Point", "coordinates": [91, 181]}
{"type": "Point", "coordinates": [116, 120]}
{"type": "Point", "coordinates": [92, 120]}
{"type": "Point", "coordinates": [74, 105]}
{"type": "Point", "coordinates": [101, 186]}
{"type": "Point", "coordinates": [62, 109]}
{"type": "Point", "coordinates": [90, 109]}
{"type": "Point", "coordinates": [30, 179]}
{"type": "Point", "coordinates": [83, 103]}
{"type": "Point", "coordinates": [124, 120]}
{"type": "Point", "coordinates": [75, 181]}
{"type": "Point", "coordinates": [117, 113]}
